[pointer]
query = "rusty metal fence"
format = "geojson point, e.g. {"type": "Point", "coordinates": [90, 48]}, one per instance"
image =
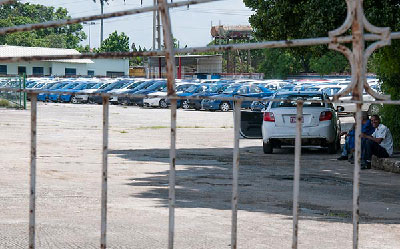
{"type": "Point", "coordinates": [357, 56]}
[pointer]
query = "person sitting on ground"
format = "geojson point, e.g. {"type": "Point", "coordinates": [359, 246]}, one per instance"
{"type": "Point", "coordinates": [380, 143]}
{"type": "Point", "coordinates": [349, 144]}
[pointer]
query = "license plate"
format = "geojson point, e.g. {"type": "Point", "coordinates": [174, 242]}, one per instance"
{"type": "Point", "coordinates": [293, 120]}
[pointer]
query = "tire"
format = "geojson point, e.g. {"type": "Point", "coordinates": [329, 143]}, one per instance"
{"type": "Point", "coordinates": [373, 109]}
{"type": "Point", "coordinates": [267, 148]}
{"type": "Point", "coordinates": [333, 147]}
{"type": "Point", "coordinates": [185, 104]}
{"type": "Point", "coordinates": [224, 106]}
{"type": "Point", "coordinates": [74, 100]}
{"type": "Point", "coordinates": [163, 103]}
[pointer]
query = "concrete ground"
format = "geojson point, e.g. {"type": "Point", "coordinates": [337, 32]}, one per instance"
{"type": "Point", "coordinates": [69, 185]}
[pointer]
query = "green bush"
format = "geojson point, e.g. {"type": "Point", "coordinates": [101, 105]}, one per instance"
{"type": "Point", "coordinates": [387, 63]}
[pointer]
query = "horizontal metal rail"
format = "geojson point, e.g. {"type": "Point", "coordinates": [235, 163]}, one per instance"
{"type": "Point", "coordinates": [213, 48]}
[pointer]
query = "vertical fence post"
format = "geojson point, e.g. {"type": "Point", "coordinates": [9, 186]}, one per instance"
{"type": "Point", "coordinates": [235, 172]}
{"type": "Point", "coordinates": [356, 177]}
{"type": "Point", "coordinates": [170, 66]}
{"type": "Point", "coordinates": [32, 194]}
{"type": "Point", "coordinates": [296, 184]}
{"type": "Point", "coordinates": [358, 75]}
{"type": "Point", "coordinates": [172, 156]}
{"type": "Point", "coordinates": [103, 241]}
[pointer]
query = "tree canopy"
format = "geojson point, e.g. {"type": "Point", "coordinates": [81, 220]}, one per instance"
{"type": "Point", "coordinates": [115, 43]}
{"type": "Point", "coordinates": [288, 19]}
{"type": "Point", "coordinates": [18, 13]}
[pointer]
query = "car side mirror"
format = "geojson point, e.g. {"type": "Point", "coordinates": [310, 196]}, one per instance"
{"type": "Point", "coordinates": [340, 109]}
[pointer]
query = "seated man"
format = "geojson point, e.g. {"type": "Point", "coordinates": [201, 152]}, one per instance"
{"type": "Point", "coordinates": [366, 128]}
{"type": "Point", "coordinates": [380, 143]}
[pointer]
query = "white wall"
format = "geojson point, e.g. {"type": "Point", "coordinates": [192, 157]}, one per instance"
{"type": "Point", "coordinates": [101, 66]}
{"type": "Point", "coordinates": [59, 68]}
{"type": "Point", "coordinates": [12, 68]}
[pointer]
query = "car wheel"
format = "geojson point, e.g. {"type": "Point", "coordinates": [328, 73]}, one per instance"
{"type": "Point", "coordinates": [373, 109]}
{"type": "Point", "coordinates": [74, 100]}
{"type": "Point", "coordinates": [224, 106]}
{"type": "Point", "coordinates": [185, 104]}
{"type": "Point", "coordinates": [267, 148]}
{"type": "Point", "coordinates": [333, 148]}
{"type": "Point", "coordinates": [163, 103]}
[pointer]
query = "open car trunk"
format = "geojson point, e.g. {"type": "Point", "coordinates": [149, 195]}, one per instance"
{"type": "Point", "coordinates": [251, 123]}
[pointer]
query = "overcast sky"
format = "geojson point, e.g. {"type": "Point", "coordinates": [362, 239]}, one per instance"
{"type": "Point", "coordinates": [189, 26]}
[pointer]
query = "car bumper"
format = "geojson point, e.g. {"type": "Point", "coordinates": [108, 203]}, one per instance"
{"type": "Point", "coordinates": [323, 133]}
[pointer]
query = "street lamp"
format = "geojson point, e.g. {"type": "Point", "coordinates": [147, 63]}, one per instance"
{"type": "Point", "coordinates": [89, 24]}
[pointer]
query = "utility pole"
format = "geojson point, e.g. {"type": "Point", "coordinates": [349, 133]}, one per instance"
{"type": "Point", "coordinates": [101, 32]}
{"type": "Point", "coordinates": [89, 24]}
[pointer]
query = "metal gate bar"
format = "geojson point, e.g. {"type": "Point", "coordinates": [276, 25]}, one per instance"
{"type": "Point", "coordinates": [103, 236]}
{"type": "Point", "coordinates": [235, 171]}
{"type": "Point", "coordinates": [32, 193]}
{"type": "Point", "coordinates": [296, 178]}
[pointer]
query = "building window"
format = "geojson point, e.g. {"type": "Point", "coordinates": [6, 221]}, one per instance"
{"type": "Point", "coordinates": [90, 72]}
{"type": "Point", "coordinates": [70, 71]}
{"type": "Point", "coordinates": [37, 71]}
{"type": "Point", "coordinates": [50, 70]}
{"type": "Point", "coordinates": [3, 69]}
{"type": "Point", "coordinates": [21, 70]}
{"type": "Point", "coordinates": [114, 74]}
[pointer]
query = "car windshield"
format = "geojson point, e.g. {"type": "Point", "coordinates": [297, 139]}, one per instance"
{"type": "Point", "coordinates": [192, 89]}
{"type": "Point", "coordinates": [57, 86]}
{"type": "Point", "coordinates": [97, 86]}
{"type": "Point", "coordinates": [215, 88]}
{"type": "Point", "coordinates": [292, 98]}
{"type": "Point", "coordinates": [231, 89]}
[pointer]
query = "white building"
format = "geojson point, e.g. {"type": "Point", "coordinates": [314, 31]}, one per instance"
{"type": "Point", "coordinates": [70, 67]}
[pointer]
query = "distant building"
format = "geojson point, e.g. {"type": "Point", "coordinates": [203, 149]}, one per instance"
{"type": "Point", "coordinates": [65, 67]}
{"type": "Point", "coordinates": [187, 66]}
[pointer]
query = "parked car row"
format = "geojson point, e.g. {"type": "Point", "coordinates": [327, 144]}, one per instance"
{"type": "Point", "coordinates": [154, 91]}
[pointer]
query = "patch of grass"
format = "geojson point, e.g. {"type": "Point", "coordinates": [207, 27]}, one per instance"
{"type": "Point", "coordinates": [226, 126]}
{"type": "Point", "coordinates": [152, 127]}
{"type": "Point", "coordinates": [123, 131]}
{"type": "Point", "coordinates": [167, 127]}
{"type": "Point", "coordinates": [5, 103]}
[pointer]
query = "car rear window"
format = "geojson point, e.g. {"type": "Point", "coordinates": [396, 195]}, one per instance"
{"type": "Point", "coordinates": [290, 100]}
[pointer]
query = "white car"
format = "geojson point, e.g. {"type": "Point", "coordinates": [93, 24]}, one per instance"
{"type": "Point", "coordinates": [159, 99]}
{"type": "Point", "coordinates": [321, 126]}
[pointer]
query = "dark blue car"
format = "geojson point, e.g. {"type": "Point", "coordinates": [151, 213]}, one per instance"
{"type": "Point", "coordinates": [237, 90]}
{"type": "Point", "coordinates": [212, 90]}
{"type": "Point", "coordinates": [67, 97]}
{"type": "Point", "coordinates": [144, 88]}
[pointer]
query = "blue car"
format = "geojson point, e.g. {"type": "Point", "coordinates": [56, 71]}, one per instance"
{"type": "Point", "coordinates": [55, 97]}
{"type": "Point", "coordinates": [45, 96]}
{"type": "Point", "coordinates": [237, 90]}
{"type": "Point", "coordinates": [98, 99]}
{"type": "Point", "coordinates": [212, 90]}
{"type": "Point", "coordinates": [144, 88]}
{"type": "Point", "coordinates": [68, 97]}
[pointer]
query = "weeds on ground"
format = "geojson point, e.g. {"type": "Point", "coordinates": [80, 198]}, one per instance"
{"type": "Point", "coordinates": [5, 103]}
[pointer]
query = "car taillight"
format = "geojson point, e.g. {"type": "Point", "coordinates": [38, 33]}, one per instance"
{"type": "Point", "coordinates": [325, 116]}
{"type": "Point", "coordinates": [269, 117]}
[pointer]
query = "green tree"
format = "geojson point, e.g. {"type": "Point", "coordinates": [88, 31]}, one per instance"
{"type": "Point", "coordinates": [288, 19]}
{"type": "Point", "coordinates": [278, 63]}
{"type": "Point", "coordinates": [331, 62]}
{"type": "Point", "coordinates": [17, 13]}
{"type": "Point", "coordinates": [115, 43]}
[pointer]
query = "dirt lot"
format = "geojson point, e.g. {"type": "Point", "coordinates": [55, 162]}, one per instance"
{"type": "Point", "coordinates": [69, 181]}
